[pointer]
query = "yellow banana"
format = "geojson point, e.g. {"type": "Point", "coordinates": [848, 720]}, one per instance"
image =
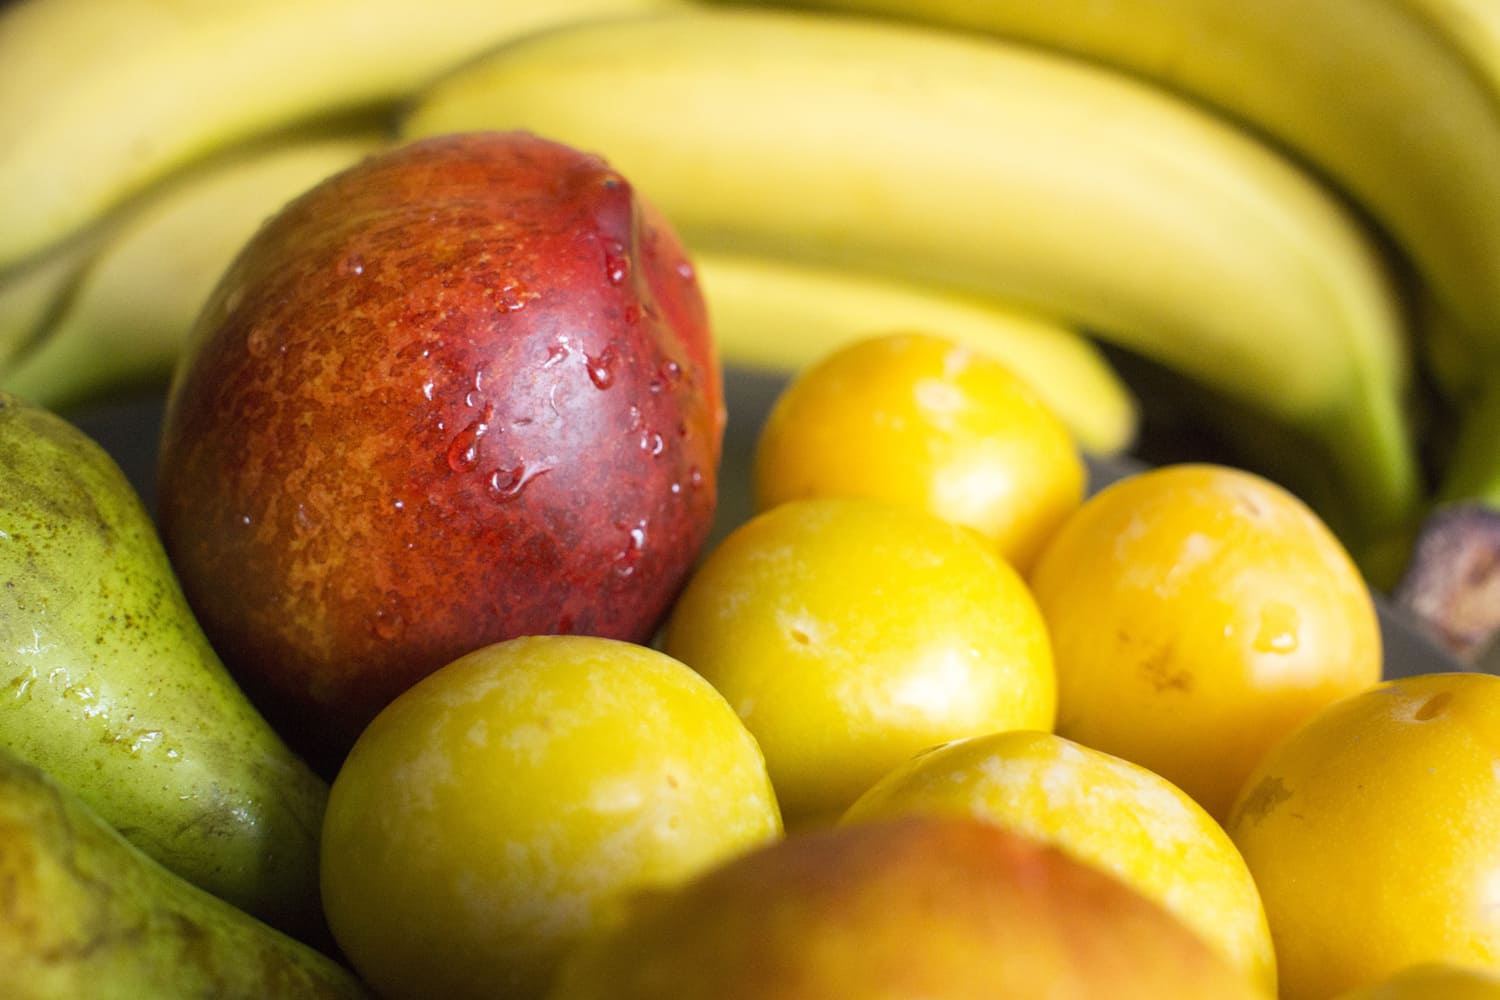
{"type": "Point", "coordinates": [1473, 28]}
{"type": "Point", "coordinates": [124, 321]}
{"type": "Point", "coordinates": [779, 315]}
{"type": "Point", "coordinates": [98, 100]}
{"type": "Point", "coordinates": [1375, 94]}
{"type": "Point", "coordinates": [30, 294]}
{"type": "Point", "coordinates": [1467, 372]}
{"type": "Point", "coordinates": [1000, 170]}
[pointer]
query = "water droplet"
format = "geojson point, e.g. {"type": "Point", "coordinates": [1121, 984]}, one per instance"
{"type": "Point", "coordinates": [652, 443]}
{"type": "Point", "coordinates": [463, 450]}
{"type": "Point", "coordinates": [388, 625]}
{"type": "Point", "coordinates": [616, 262]}
{"type": "Point", "coordinates": [302, 520]}
{"type": "Point", "coordinates": [505, 484]}
{"type": "Point", "coordinates": [635, 546]}
{"type": "Point", "coordinates": [556, 356]}
{"type": "Point", "coordinates": [258, 342]}
{"type": "Point", "coordinates": [602, 368]}
{"type": "Point", "coordinates": [1277, 630]}
{"type": "Point", "coordinates": [352, 264]}
{"type": "Point", "coordinates": [512, 296]}
{"type": "Point", "coordinates": [695, 477]}
{"type": "Point", "coordinates": [427, 389]}
{"type": "Point", "coordinates": [474, 395]}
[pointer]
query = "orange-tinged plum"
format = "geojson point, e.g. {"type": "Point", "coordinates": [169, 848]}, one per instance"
{"type": "Point", "coordinates": [461, 392]}
{"type": "Point", "coordinates": [938, 907]}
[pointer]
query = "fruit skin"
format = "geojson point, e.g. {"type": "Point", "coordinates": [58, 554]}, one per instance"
{"type": "Point", "coordinates": [87, 914]}
{"type": "Point", "coordinates": [31, 293]}
{"type": "Point", "coordinates": [849, 634]}
{"type": "Point", "coordinates": [1199, 613]}
{"type": "Point", "coordinates": [1001, 170]}
{"type": "Point", "coordinates": [923, 421]}
{"type": "Point", "coordinates": [1371, 832]}
{"type": "Point", "coordinates": [946, 908]}
{"type": "Point", "coordinates": [120, 321]}
{"type": "Point", "coordinates": [460, 392]}
{"type": "Point", "coordinates": [1431, 981]}
{"type": "Point", "coordinates": [774, 314]}
{"type": "Point", "coordinates": [496, 811]}
{"type": "Point", "coordinates": [99, 101]}
{"type": "Point", "coordinates": [112, 687]}
{"type": "Point", "coordinates": [1103, 810]}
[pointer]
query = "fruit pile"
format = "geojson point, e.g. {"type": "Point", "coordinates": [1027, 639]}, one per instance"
{"type": "Point", "coordinates": [435, 666]}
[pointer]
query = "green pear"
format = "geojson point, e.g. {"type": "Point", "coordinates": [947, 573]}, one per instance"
{"type": "Point", "coordinates": [83, 913]}
{"type": "Point", "coordinates": [108, 683]}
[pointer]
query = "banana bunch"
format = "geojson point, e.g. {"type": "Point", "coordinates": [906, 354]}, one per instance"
{"type": "Point", "coordinates": [1000, 170]}
{"type": "Point", "coordinates": [99, 101]}
{"type": "Point", "coordinates": [1394, 103]}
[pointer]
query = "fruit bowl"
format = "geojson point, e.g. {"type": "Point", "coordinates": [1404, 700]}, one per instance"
{"type": "Point", "coordinates": [128, 427]}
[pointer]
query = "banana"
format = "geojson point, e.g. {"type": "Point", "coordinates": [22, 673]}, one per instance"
{"type": "Point", "coordinates": [100, 100]}
{"type": "Point", "coordinates": [1473, 28]}
{"type": "Point", "coordinates": [128, 312]}
{"type": "Point", "coordinates": [30, 294]}
{"type": "Point", "coordinates": [778, 315]}
{"type": "Point", "coordinates": [1468, 375]}
{"type": "Point", "coordinates": [1377, 95]}
{"type": "Point", "coordinates": [999, 170]}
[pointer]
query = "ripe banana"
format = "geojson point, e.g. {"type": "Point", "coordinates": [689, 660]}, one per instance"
{"type": "Point", "coordinates": [29, 295]}
{"type": "Point", "coordinates": [998, 170]}
{"type": "Point", "coordinates": [1468, 374]}
{"type": "Point", "coordinates": [125, 319]}
{"type": "Point", "coordinates": [1378, 95]}
{"type": "Point", "coordinates": [100, 100]}
{"type": "Point", "coordinates": [1473, 28]}
{"type": "Point", "coordinates": [780, 315]}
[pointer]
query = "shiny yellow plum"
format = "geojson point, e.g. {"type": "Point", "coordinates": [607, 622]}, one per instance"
{"type": "Point", "coordinates": [498, 809]}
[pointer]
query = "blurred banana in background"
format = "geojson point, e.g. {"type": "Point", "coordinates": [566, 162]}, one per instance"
{"type": "Point", "coordinates": [1293, 207]}
{"type": "Point", "coordinates": [1397, 102]}
{"type": "Point", "coordinates": [778, 315]}
{"type": "Point", "coordinates": [121, 323]}
{"type": "Point", "coordinates": [100, 100]}
{"type": "Point", "coordinates": [31, 293]}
